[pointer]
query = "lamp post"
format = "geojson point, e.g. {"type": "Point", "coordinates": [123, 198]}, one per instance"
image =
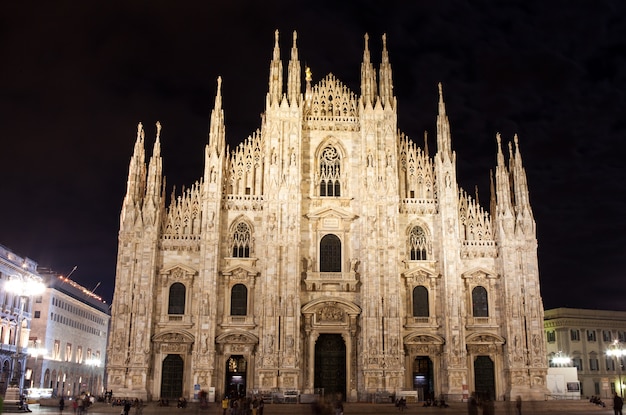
{"type": "Point", "coordinates": [618, 352]}
{"type": "Point", "coordinates": [23, 286]}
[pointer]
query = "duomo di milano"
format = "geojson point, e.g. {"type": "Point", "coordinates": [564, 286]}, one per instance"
{"type": "Point", "coordinates": [327, 250]}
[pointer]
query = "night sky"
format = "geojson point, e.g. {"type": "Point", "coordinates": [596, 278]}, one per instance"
{"type": "Point", "coordinates": [77, 77]}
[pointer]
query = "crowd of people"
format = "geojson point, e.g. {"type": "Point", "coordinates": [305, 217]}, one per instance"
{"type": "Point", "coordinates": [244, 405]}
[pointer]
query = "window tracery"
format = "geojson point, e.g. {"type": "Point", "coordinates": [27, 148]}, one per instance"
{"type": "Point", "coordinates": [417, 244]}
{"type": "Point", "coordinates": [241, 241]}
{"type": "Point", "coordinates": [330, 172]}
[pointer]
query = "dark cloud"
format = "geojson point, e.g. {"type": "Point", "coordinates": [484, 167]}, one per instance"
{"type": "Point", "coordinates": [77, 77]}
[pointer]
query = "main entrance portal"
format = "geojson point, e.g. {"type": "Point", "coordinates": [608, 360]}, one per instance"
{"type": "Point", "coordinates": [484, 377]}
{"type": "Point", "coordinates": [423, 376]}
{"type": "Point", "coordinates": [236, 376]}
{"type": "Point", "coordinates": [330, 365]}
{"type": "Point", "coordinates": [172, 377]}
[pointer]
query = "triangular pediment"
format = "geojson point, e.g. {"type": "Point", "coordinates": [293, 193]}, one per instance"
{"type": "Point", "coordinates": [237, 337]}
{"type": "Point", "coordinates": [179, 269]}
{"type": "Point", "coordinates": [239, 269]}
{"type": "Point", "coordinates": [479, 272]}
{"type": "Point", "coordinates": [331, 212]}
{"type": "Point", "coordinates": [420, 271]}
{"type": "Point", "coordinates": [331, 99]}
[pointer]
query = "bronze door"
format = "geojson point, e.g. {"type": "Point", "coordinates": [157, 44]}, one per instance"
{"type": "Point", "coordinates": [172, 377]}
{"type": "Point", "coordinates": [330, 365]}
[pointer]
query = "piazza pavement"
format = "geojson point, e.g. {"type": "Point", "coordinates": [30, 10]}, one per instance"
{"type": "Point", "coordinates": [553, 407]}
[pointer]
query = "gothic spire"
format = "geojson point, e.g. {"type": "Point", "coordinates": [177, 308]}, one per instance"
{"type": "Point", "coordinates": [503, 184]}
{"type": "Point", "coordinates": [520, 186]}
{"type": "Point", "coordinates": [386, 83]}
{"type": "Point", "coordinates": [217, 135]}
{"type": "Point", "coordinates": [294, 74]}
{"type": "Point", "coordinates": [368, 77]}
{"type": "Point", "coordinates": [137, 168]}
{"type": "Point", "coordinates": [136, 183]}
{"type": "Point", "coordinates": [276, 75]}
{"type": "Point", "coordinates": [444, 141]}
{"type": "Point", "coordinates": [155, 168]}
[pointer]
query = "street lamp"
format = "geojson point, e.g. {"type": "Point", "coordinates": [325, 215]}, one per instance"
{"type": "Point", "coordinates": [618, 352]}
{"type": "Point", "coordinates": [23, 286]}
{"type": "Point", "coordinates": [560, 359]}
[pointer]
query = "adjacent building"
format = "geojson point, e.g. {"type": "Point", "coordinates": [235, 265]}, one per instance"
{"type": "Point", "coordinates": [68, 338]}
{"type": "Point", "coordinates": [18, 275]}
{"type": "Point", "coordinates": [327, 251]}
{"type": "Point", "coordinates": [595, 342]}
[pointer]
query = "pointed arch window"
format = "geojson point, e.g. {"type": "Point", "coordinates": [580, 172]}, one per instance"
{"type": "Point", "coordinates": [239, 300]}
{"type": "Point", "coordinates": [176, 304]}
{"type": "Point", "coordinates": [480, 305]}
{"type": "Point", "coordinates": [420, 302]}
{"type": "Point", "coordinates": [417, 244]}
{"type": "Point", "coordinates": [241, 241]}
{"type": "Point", "coordinates": [330, 254]}
{"type": "Point", "coordinates": [330, 172]}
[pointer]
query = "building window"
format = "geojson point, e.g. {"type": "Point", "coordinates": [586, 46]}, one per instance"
{"type": "Point", "coordinates": [239, 300]}
{"type": "Point", "coordinates": [177, 299]}
{"type": "Point", "coordinates": [593, 364]}
{"type": "Point", "coordinates": [591, 335]}
{"type": "Point", "coordinates": [480, 306]}
{"type": "Point", "coordinates": [330, 172]}
{"type": "Point", "coordinates": [37, 314]}
{"type": "Point", "coordinates": [578, 363]}
{"type": "Point", "coordinates": [420, 302]}
{"type": "Point", "coordinates": [417, 244]}
{"type": "Point", "coordinates": [606, 336]}
{"type": "Point", "coordinates": [621, 336]}
{"type": "Point", "coordinates": [574, 335]}
{"type": "Point", "coordinates": [330, 254]}
{"type": "Point", "coordinates": [610, 364]}
{"type": "Point", "coordinates": [241, 241]}
{"type": "Point", "coordinates": [551, 336]}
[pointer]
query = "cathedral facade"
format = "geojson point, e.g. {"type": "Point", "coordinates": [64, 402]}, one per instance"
{"type": "Point", "coordinates": [327, 251]}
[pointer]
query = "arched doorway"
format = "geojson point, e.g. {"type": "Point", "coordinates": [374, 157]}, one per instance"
{"type": "Point", "coordinates": [423, 378]}
{"type": "Point", "coordinates": [236, 367]}
{"type": "Point", "coordinates": [484, 377]}
{"type": "Point", "coordinates": [172, 377]}
{"type": "Point", "coordinates": [330, 365]}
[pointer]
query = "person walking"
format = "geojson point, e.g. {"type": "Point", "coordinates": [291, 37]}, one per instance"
{"type": "Point", "coordinates": [618, 403]}
{"type": "Point", "coordinates": [61, 405]}
{"type": "Point", "coordinates": [518, 405]}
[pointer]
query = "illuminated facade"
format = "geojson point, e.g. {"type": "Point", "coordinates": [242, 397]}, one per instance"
{"type": "Point", "coordinates": [327, 250]}
{"type": "Point", "coordinates": [13, 352]}
{"type": "Point", "coordinates": [587, 338]}
{"type": "Point", "coordinates": [68, 338]}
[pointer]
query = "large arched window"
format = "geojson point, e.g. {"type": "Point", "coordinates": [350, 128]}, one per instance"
{"type": "Point", "coordinates": [176, 304]}
{"type": "Point", "coordinates": [330, 172]}
{"type": "Point", "coordinates": [420, 302]}
{"type": "Point", "coordinates": [330, 254]}
{"type": "Point", "coordinates": [241, 241]}
{"type": "Point", "coordinates": [480, 305]}
{"type": "Point", "coordinates": [417, 244]}
{"type": "Point", "coordinates": [239, 300]}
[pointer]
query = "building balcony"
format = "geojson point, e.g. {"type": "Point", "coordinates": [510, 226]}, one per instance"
{"type": "Point", "coordinates": [239, 322]}
{"type": "Point", "coordinates": [331, 281]}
